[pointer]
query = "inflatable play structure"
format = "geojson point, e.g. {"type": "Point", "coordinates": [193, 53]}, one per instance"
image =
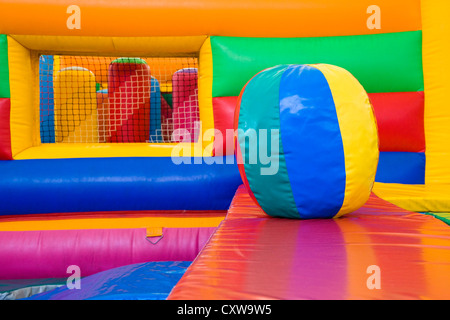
{"type": "Point", "coordinates": [123, 127]}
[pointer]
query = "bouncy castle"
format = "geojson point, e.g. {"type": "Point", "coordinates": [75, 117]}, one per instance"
{"type": "Point", "coordinates": [123, 129]}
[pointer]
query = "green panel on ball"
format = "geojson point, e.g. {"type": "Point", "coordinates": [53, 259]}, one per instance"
{"type": "Point", "coordinates": [261, 112]}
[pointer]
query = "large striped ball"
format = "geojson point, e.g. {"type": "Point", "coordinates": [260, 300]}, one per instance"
{"type": "Point", "coordinates": [307, 142]}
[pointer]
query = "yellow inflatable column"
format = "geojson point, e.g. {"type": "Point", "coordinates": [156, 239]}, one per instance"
{"type": "Point", "coordinates": [436, 68]}
{"type": "Point", "coordinates": [75, 106]}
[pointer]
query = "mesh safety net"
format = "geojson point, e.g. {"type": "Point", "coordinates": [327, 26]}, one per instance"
{"type": "Point", "coordinates": [91, 99]}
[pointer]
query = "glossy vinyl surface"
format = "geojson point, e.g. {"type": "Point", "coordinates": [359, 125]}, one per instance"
{"type": "Point", "coordinates": [253, 256]}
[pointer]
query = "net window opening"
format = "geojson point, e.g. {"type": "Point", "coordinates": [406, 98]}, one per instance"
{"type": "Point", "coordinates": [90, 99]}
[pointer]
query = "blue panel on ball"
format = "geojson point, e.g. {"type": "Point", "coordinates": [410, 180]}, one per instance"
{"type": "Point", "coordinates": [312, 142]}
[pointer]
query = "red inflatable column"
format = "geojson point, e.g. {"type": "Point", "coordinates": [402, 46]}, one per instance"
{"type": "Point", "coordinates": [185, 105]}
{"type": "Point", "coordinates": [128, 100]}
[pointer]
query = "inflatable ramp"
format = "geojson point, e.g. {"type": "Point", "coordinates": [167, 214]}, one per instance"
{"type": "Point", "coordinates": [253, 256]}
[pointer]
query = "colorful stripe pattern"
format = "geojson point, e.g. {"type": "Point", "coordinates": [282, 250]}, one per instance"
{"type": "Point", "coordinates": [394, 82]}
{"type": "Point", "coordinates": [324, 161]}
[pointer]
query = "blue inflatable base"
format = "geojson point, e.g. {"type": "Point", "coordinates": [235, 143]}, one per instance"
{"type": "Point", "coordinates": [117, 184]}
